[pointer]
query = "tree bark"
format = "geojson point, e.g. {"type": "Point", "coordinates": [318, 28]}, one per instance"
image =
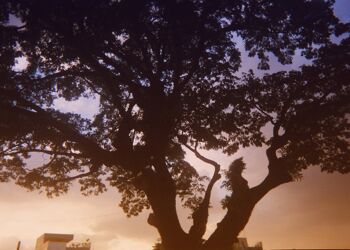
{"type": "Point", "coordinates": [237, 216]}
{"type": "Point", "coordinates": [161, 193]}
{"type": "Point", "coordinates": [165, 218]}
{"type": "Point", "coordinates": [162, 197]}
{"type": "Point", "coordinates": [239, 211]}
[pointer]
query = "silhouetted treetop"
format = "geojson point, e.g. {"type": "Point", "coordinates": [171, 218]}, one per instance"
{"type": "Point", "coordinates": [309, 110]}
{"type": "Point", "coordinates": [165, 75]}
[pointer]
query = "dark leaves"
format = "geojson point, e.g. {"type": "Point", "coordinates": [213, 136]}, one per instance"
{"type": "Point", "coordinates": [164, 73]}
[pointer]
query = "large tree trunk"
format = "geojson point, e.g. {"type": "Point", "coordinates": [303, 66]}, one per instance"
{"type": "Point", "coordinates": [236, 218]}
{"type": "Point", "coordinates": [165, 219]}
{"type": "Point", "coordinates": [240, 209]}
{"type": "Point", "coordinates": [161, 193]}
{"type": "Point", "coordinates": [162, 197]}
{"type": "Point", "coordinates": [174, 238]}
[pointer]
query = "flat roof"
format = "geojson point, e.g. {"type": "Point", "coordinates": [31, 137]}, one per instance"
{"type": "Point", "coordinates": [56, 237]}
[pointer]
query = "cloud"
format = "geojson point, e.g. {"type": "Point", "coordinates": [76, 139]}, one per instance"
{"type": "Point", "coordinates": [7, 243]}
{"type": "Point", "coordinates": [21, 63]}
{"type": "Point", "coordinates": [117, 232]}
{"type": "Point", "coordinates": [111, 241]}
{"type": "Point", "coordinates": [311, 213]}
{"type": "Point", "coordinates": [87, 107]}
{"type": "Point", "coordinates": [130, 229]}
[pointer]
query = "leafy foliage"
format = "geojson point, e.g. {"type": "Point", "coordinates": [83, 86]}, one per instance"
{"type": "Point", "coordinates": [309, 110]}
{"type": "Point", "coordinates": [165, 74]}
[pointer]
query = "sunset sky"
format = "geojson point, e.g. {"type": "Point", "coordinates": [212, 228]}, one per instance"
{"type": "Point", "coordinates": [311, 213]}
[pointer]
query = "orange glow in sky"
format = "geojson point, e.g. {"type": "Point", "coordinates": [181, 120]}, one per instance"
{"type": "Point", "coordinates": [312, 213]}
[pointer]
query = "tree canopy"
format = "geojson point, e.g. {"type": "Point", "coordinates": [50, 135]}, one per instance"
{"type": "Point", "coordinates": [166, 77]}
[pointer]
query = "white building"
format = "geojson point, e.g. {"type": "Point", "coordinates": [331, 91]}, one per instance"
{"type": "Point", "coordinates": [50, 241]}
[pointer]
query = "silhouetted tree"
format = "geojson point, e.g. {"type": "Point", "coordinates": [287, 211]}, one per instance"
{"type": "Point", "coordinates": [165, 75]}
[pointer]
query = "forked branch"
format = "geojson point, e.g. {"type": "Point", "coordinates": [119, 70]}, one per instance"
{"type": "Point", "coordinates": [200, 215]}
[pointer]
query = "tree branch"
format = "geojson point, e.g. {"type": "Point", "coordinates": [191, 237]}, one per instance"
{"type": "Point", "coordinates": [71, 178]}
{"type": "Point", "coordinates": [49, 152]}
{"type": "Point", "coordinates": [86, 145]}
{"type": "Point", "coordinates": [240, 209]}
{"type": "Point", "coordinates": [270, 117]}
{"type": "Point", "coordinates": [201, 157]}
{"type": "Point", "coordinates": [200, 215]}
